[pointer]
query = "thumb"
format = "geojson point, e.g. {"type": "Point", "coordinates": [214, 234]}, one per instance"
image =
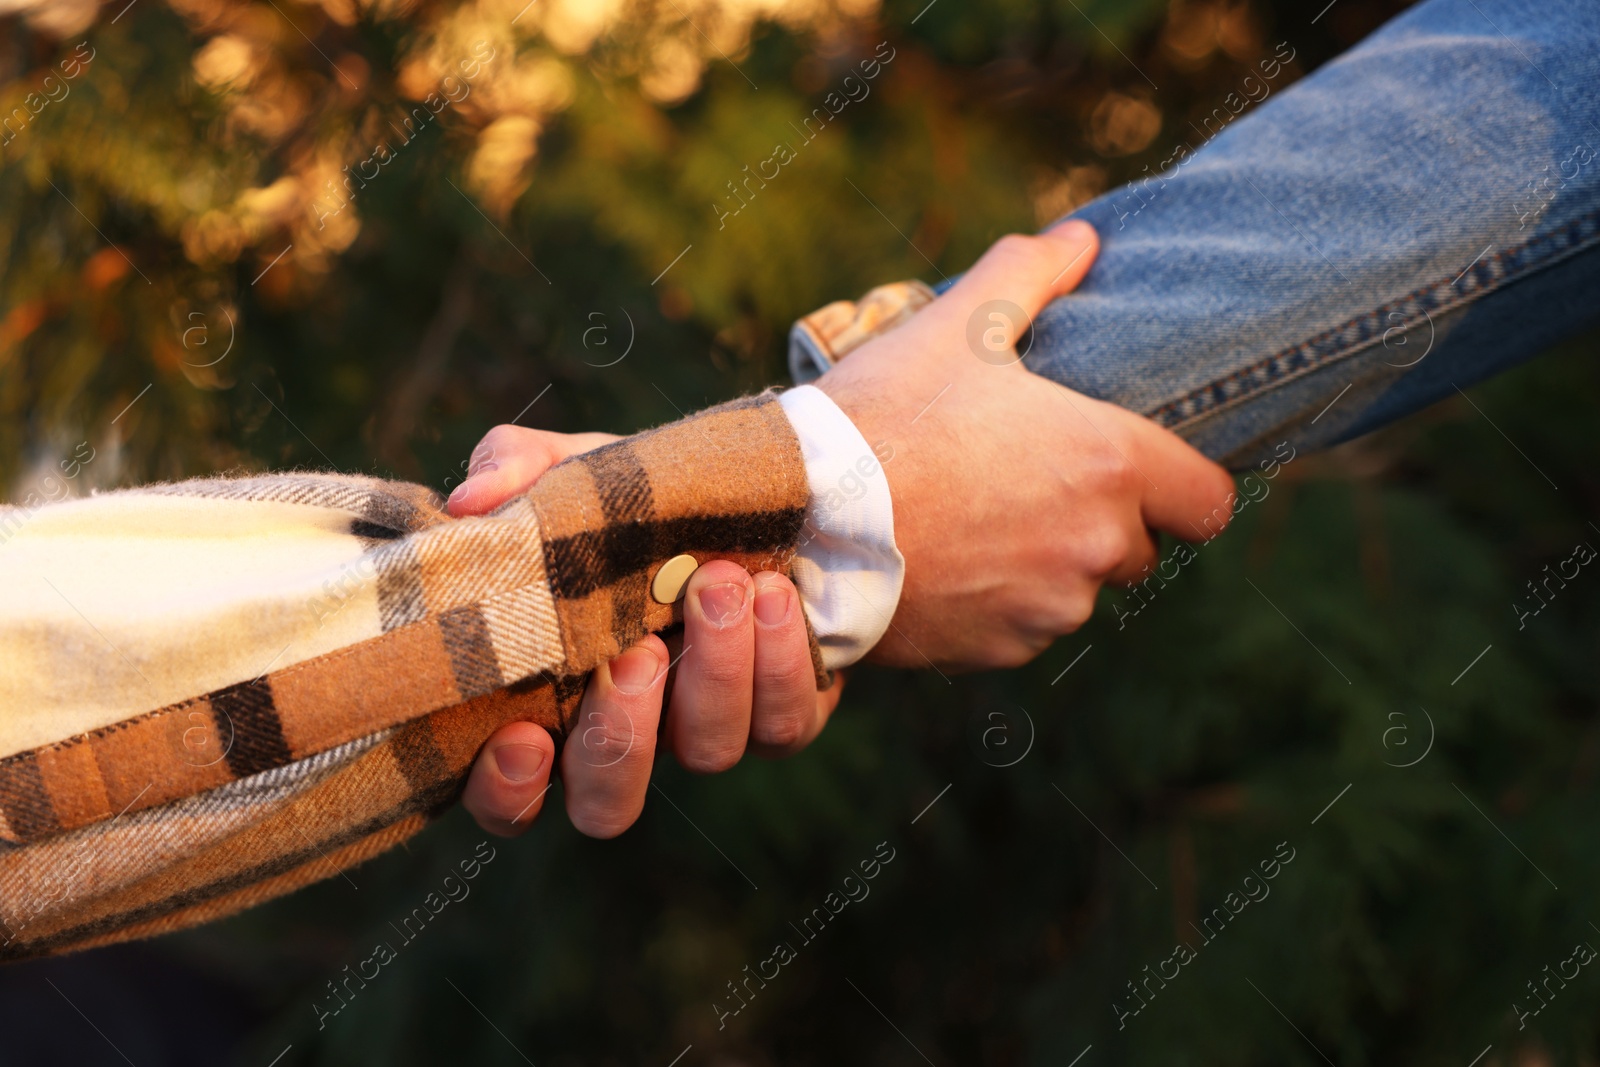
{"type": "Point", "coordinates": [509, 460]}
{"type": "Point", "coordinates": [1019, 275]}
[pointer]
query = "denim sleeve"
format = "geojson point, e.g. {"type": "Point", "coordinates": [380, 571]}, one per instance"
{"type": "Point", "coordinates": [1411, 218]}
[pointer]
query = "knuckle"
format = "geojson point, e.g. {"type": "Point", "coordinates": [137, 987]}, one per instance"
{"type": "Point", "coordinates": [499, 439]}
{"type": "Point", "coordinates": [790, 678]}
{"type": "Point", "coordinates": [783, 735]}
{"type": "Point", "coordinates": [1108, 471]}
{"type": "Point", "coordinates": [1124, 476]}
{"type": "Point", "coordinates": [783, 729]}
{"type": "Point", "coordinates": [712, 756]}
{"type": "Point", "coordinates": [1075, 611]}
{"type": "Point", "coordinates": [1015, 654]}
{"type": "Point", "coordinates": [1103, 549]}
{"type": "Point", "coordinates": [606, 737]}
{"type": "Point", "coordinates": [539, 448]}
{"type": "Point", "coordinates": [721, 672]}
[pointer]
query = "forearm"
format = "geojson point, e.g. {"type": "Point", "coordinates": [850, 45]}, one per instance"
{"type": "Point", "coordinates": [220, 690]}
{"type": "Point", "coordinates": [1414, 216]}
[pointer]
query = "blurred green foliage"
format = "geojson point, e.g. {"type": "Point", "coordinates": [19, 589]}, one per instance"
{"type": "Point", "coordinates": [1145, 782]}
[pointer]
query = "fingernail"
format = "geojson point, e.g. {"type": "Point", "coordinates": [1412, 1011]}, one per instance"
{"type": "Point", "coordinates": [772, 603]}
{"type": "Point", "coordinates": [482, 468]}
{"type": "Point", "coordinates": [723, 603]}
{"type": "Point", "coordinates": [519, 762]}
{"type": "Point", "coordinates": [635, 670]}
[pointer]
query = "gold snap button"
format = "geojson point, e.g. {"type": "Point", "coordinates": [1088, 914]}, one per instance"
{"type": "Point", "coordinates": [671, 579]}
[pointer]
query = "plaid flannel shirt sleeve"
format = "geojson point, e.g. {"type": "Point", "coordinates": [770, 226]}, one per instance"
{"type": "Point", "coordinates": [217, 691]}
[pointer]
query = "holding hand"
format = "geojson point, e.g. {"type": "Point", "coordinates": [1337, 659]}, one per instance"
{"type": "Point", "coordinates": [1015, 498]}
{"type": "Point", "coordinates": [744, 678]}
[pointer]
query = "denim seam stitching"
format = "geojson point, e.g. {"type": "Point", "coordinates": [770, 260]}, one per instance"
{"type": "Point", "coordinates": [1291, 364]}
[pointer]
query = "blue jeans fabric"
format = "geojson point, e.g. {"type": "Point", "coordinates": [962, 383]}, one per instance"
{"type": "Point", "coordinates": [1409, 219]}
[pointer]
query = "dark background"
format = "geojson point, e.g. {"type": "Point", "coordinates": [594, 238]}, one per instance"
{"type": "Point", "coordinates": [1083, 819]}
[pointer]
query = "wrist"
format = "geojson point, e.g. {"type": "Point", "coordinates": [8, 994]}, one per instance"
{"type": "Point", "coordinates": [847, 569]}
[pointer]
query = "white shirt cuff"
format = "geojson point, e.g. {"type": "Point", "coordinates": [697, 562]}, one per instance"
{"type": "Point", "coordinates": [848, 570]}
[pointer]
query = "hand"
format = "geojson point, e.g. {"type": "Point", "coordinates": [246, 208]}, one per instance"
{"type": "Point", "coordinates": [1014, 497]}
{"type": "Point", "coordinates": [743, 679]}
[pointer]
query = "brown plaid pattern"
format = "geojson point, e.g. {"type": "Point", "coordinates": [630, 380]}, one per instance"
{"type": "Point", "coordinates": [113, 834]}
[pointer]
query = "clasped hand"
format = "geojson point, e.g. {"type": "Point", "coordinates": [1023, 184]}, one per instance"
{"type": "Point", "coordinates": [1015, 499]}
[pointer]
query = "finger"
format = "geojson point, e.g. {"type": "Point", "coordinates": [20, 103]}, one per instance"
{"type": "Point", "coordinates": [1026, 272]}
{"type": "Point", "coordinates": [1184, 493]}
{"type": "Point", "coordinates": [708, 721]}
{"type": "Point", "coordinates": [1140, 557]}
{"type": "Point", "coordinates": [823, 704]}
{"type": "Point", "coordinates": [509, 460]}
{"type": "Point", "coordinates": [784, 700]}
{"type": "Point", "coordinates": [673, 639]}
{"type": "Point", "coordinates": [606, 762]}
{"type": "Point", "coordinates": [505, 791]}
